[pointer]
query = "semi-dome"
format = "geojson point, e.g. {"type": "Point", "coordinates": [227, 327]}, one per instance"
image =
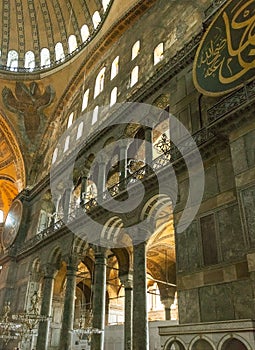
{"type": "Point", "coordinates": [38, 34]}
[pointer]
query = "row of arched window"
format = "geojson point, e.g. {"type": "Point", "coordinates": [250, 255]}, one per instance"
{"type": "Point", "coordinates": [134, 77]}
{"type": "Point", "coordinates": [99, 83]}
{"type": "Point", "coordinates": [99, 86]}
{"type": "Point", "coordinates": [45, 59]}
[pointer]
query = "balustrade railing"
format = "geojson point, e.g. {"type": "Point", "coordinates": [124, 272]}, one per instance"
{"type": "Point", "coordinates": [232, 101]}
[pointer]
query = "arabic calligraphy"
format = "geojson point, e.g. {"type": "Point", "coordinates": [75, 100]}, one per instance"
{"type": "Point", "coordinates": [226, 55]}
{"type": "Point", "coordinates": [211, 55]}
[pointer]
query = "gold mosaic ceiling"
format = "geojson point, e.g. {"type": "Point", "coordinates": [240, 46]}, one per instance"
{"type": "Point", "coordinates": [32, 25]}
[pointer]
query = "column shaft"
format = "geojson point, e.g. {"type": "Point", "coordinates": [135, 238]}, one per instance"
{"type": "Point", "coordinates": [148, 145]}
{"type": "Point", "coordinates": [140, 321]}
{"type": "Point", "coordinates": [123, 163]}
{"type": "Point", "coordinates": [128, 318]}
{"type": "Point", "coordinates": [84, 179]}
{"type": "Point", "coordinates": [68, 313]}
{"type": "Point", "coordinates": [67, 198]}
{"type": "Point", "coordinates": [101, 180]}
{"type": "Point", "coordinates": [43, 330]}
{"type": "Point", "coordinates": [99, 290]}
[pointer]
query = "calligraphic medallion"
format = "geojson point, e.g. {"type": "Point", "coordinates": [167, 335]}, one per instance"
{"type": "Point", "coordinates": [12, 223]}
{"type": "Point", "coordinates": [225, 58]}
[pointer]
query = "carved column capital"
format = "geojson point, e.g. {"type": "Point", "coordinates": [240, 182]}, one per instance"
{"type": "Point", "coordinates": [72, 262]}
{"type": "Point", "coordinates": [49, 270]}
{"type": "Point", "coordinates": [102, 158]}
{"type": "Point", "coordinates": [127, 280]}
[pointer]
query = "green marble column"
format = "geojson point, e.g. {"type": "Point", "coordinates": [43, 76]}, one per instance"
{"type": "Point", "coordinates": [99, 291]}
{"type": "Point", "coordinates": [123, 146]}
{"type": "Point", "coordinates": [84, 179]}
{"type": "Point", "coordinates": [47, 294]}
{"type": "Point", "coordinates": [127, 281]}
{"type": "Point", "coordinates": [69, 302]}
{"type": "Point", "coordinates": [140, 319]}
{"type": "Point", "coordinates": [101, 180]}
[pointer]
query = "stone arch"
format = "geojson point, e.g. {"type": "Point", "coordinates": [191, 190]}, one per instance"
{"type": "Point", "coordinates": [35, 266]}
{"type": "Point", "coordinates": [174, 344]}
{"type": "Point", "coordinates": [55, 256]}
{"type": "Point", "coordinates": [123, 257]}
{"type": "Point", "coordinates": [154, 206]}
{"type": "Point", "coordinates": [79, 246]}
{"type": "Point", "coordinates": [233, 342]}
{"type": "Point", "coordinates": [201, 343]}
{"type": "Point", "coordinates": [113, 233]}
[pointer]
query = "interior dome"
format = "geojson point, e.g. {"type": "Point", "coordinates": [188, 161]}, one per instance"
{"type": "Point", "coordinates": [38, 34]}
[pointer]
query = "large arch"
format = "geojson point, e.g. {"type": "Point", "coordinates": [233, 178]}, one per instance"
{"type": "Point", "coordinates": [12, 167]}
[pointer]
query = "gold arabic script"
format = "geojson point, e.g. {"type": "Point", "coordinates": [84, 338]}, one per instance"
{"type": "Point", "coordinates": [231, 54]}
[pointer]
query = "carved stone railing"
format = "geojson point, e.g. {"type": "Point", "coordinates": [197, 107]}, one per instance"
{"type": "Point", "coordinates": [231, 102]}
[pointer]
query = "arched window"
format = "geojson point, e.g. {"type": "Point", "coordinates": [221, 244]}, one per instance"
{"type": "Point", "coordinates": [202, 344]}
{"type": "Point", "coordinates": [55, 155]}
{"type": "Point", "coordinates": [105, 4]}
{"type": "Point", "coordinates": [114, 94]}
{"type": "Point", "coordinates": [84, 32]}
{"type": "Point", "coordinates": [233, 344]}
{"type": "Point", "coordinates": [99, 85]}
{"type": "Point", "coordinates": [70, 120]}
{"type": "Point", "coordinates": [45, 57]}
{"type": "Point", "coordinates": [85, 100]}
{"type": "Point", "coordinates": [72, 43]}
{"type": "Point", "coordinates": [79, 130]}
{"type": "Point", "coordinates": [67, 141]}
{"type": "Point", "coordinates": [59, 51]}
{"type": "Point", "coordinates": [95, 115]}
{"type": "Point", "coordinates": [158, 53]}
{"type": "Point", "coordinates": [115, 67]}
{"type": "Point", "coordinates": [135, 49]}
{"type": "Point", "coordinates": [30, 60]}
{"type": "Point", "coordinates": [134, 76]}
{"type": "Point", "coordinates": [1, 216]}
{"type": "Point", "coordinates": [96, 19]}
{"type": "Point", "coordinates": [12, 59]}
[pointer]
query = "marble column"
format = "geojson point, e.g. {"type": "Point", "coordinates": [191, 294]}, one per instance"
{"type": "Point", "coordinates": [140, 319]}
{"type": "Point", "coordinates": [148, 145]}
{"type": "Point", "coordinates": [67, 199]}
{"type": "Point", "coordinates": [47, 294]}
{"type": "Point", "coordinates": [99, 292]}
{"type": "Point", "coordinates": [123, 146]}
{"type": "Point", "coordinates": [69, 302]}
{"type": "Point", "coordinates": [84, 179]}
{"type": "Point", "coordinates": [127, 281]}
{"type": "Point", "coordinates": [167, 296]}
{"type": "Point", "coordinates": [101, 180]}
